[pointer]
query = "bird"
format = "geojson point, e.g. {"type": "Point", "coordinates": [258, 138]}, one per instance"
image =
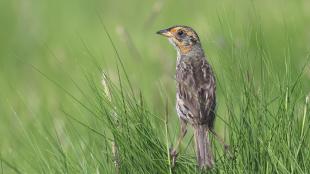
{"type": "Point", "coordinates": [195, 93]}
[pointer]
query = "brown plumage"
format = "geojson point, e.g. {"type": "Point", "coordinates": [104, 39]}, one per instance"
{"type": "Point", "coordinates": [195, 103]}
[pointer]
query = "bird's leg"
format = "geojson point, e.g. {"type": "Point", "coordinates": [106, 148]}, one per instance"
{"type": "Point", "coordinates": [183, 131]}
{"type": "Point", "coordinates": [220, 139]}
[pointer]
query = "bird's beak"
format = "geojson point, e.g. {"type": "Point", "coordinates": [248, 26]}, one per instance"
{"type": "Point", "coordinates": [165, 32]}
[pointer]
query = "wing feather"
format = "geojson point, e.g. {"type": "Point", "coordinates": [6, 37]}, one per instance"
{"type": "Point", "coordinates": [196, 90]}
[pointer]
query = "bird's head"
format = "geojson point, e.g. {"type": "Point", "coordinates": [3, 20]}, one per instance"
{"type": "Point", "coordinates": [183, 38]}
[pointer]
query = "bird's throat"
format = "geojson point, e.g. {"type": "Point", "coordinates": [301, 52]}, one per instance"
{"type": "Point", "coordinates": [181, 49]}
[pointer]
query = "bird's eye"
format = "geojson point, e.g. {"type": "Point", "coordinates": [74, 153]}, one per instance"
{"type": "Point", "coordinates": [180, 33]}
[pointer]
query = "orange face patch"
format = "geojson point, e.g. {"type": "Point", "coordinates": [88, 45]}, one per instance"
{"type": "Point", "coordinates": [174, 30]}
{"type": "Point", "coordinates": [183, 48]}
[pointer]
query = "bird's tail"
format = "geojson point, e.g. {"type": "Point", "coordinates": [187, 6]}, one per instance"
{"type": "Point", "coordinates": [203, 147]}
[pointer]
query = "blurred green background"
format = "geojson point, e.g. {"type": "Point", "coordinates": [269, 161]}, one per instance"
{"type": "Point", "coordinates": [66, 41]}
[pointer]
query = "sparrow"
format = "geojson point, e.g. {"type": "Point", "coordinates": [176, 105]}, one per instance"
{"type": "Point", "coordinates": [195, 96]}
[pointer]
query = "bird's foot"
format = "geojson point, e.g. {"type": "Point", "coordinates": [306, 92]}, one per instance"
{"type": "Point", "coordinates": [226, 148]}
{"type": "Point", "coordinates": [228, 152]}
{"type": "Point", "coordinates": [173, 156]}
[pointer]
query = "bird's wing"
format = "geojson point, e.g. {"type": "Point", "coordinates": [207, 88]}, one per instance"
{"type": "Point", "coordinates": [196, 89]}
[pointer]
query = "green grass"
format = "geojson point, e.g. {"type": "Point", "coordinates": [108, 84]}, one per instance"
{"type": "Point", "coordinates": [87, 86]}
